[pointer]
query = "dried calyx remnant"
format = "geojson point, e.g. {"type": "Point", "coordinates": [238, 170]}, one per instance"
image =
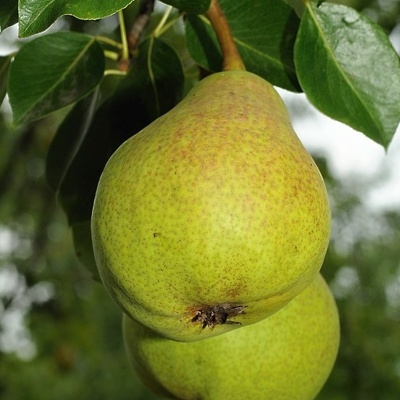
{"type": "Point", "coordinates": [217, 314]}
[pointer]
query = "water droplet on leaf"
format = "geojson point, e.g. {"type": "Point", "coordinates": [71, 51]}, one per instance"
{"type": "Point", "coordinates": [351, 18]}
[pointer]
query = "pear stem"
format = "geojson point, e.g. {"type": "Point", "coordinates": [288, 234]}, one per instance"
{"type": "Point", "coordinates": [232, 60]}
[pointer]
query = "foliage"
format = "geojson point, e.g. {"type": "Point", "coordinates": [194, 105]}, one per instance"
{"type": "Point", "coordinates": [95, 90]}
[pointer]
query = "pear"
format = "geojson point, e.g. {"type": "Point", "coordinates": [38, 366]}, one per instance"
{"type": "Point", "coordinates": [287, 356]}
{"type": "Point", "coordinates": [212, 217]}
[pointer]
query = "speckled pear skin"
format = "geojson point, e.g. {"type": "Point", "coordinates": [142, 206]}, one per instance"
{"type": "Point", "coordinates": [287, 356]}
{"type": "Point", "coordinates": [215, 203]}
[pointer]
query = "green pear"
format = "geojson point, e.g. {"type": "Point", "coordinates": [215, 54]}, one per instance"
{"type": "Point", "coordinates": [212, 217]}
{"type": "Point", "coordinates": [287, 356]}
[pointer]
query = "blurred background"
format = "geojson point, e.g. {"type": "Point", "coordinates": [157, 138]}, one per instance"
{"type": "Point", "coordinates": [60, 334]}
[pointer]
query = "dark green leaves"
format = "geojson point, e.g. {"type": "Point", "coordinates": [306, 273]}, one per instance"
{"type": "Point", "coordinates": [53, 71]}
{"type": "Point", "coordinates": [69, 138]}
{"type": "Point", "coordinates": [264, 31]}
{"type": "Point", "coordinates": [153, 86]}
{"type": "Point", "coordinates": [8, 13]}
{"type": "Point", "coordinates": [342, 61]}
{"type": "Point", "coordinates": [190, 6]}
{"type": "Point", "coordinates": [349, 70]}
{"type": "Point", "coordinates": [37, 15]}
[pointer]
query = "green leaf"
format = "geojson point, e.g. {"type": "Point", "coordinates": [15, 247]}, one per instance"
{"type": "Point", "coordinates": [68, 139]}
{"type": "Point", "coordinates": [53, 71]}
{"type": "Point", "coordinates": [264, 32]}
{"type": "Point", "coordinates": [37, 15]}
{"type": "Point", "coordinates": [349, 70]}
{"type": "Point", "coordinates": [4, 66]}
{"type": "Point", "coordinates": [82, 238]}
{"type": "Point", "coordinates": [154, 85]}
{"type": "Point", "coordinates": [8, 13]}
{"type": "Point", "coordinates": [190, 6]}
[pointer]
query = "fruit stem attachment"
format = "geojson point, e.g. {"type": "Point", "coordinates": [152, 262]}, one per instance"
{"type": "Point", "coordinates": [230, 54]}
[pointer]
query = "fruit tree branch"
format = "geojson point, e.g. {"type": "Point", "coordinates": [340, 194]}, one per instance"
{"type": "Point", "coordinates": [140, 23]}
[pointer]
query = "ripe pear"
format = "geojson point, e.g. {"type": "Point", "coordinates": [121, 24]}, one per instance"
{"type": "Point", "coordinates": [212, 217]}
{"type": "Point", "coordinates": [287, 356]}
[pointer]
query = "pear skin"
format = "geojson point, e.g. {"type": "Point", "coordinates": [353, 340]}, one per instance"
{"type": "Point", "coordinates": [287, 356]}
{"type": "Point", "coordinates": [214, 216]}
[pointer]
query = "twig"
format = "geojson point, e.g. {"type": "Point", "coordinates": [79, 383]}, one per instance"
{"type": "Point", "coordinates": [140, 23]}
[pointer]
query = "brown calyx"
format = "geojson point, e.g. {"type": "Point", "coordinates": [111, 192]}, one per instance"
{"type": "Point", "coordinates": [218, 314]}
